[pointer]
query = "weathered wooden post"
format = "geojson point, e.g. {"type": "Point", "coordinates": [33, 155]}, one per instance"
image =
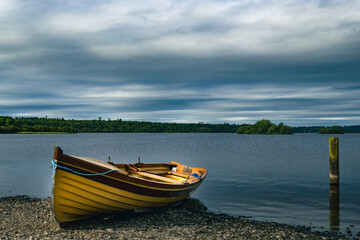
{"type": "Point", "coordinates": [334, 184]}
{"type": "Point", "coordinates": [334, 160]}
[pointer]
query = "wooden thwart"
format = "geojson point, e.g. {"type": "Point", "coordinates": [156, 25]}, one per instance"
{"type": "Point", "coordinates": [160, 178]}
{"type": "Point", "coordinates": [135, 170]}
{"type": "Point", "coordinates": [179, 174]}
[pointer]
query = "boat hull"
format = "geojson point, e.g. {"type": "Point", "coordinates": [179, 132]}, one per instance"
{"type": "Point", "coordinates": [78, 193]}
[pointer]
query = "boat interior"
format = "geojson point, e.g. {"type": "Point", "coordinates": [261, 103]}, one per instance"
{"type": "Point", "coordinates": [173, 172]}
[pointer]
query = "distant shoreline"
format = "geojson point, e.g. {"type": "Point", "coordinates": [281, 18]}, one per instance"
{"type": "Point", "coordinates": [32, 125]}
{"type": "Point", "coordinates": [43, 133]}
{"type": "Point", "coordinates": [264, 134]}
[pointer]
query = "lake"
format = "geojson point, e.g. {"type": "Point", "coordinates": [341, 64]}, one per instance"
{"type": "Point", "coordinates": [281, 178]}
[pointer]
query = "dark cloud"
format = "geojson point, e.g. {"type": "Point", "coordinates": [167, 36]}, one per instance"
{"type": "Point", "coordinates": [235, 61]}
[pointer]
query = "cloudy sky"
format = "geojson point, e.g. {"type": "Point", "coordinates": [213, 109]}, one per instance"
{"type": "Point", "coordinates": [291, 61]}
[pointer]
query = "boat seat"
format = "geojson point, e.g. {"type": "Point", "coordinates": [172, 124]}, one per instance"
{"type": "Point", "coordinates": [134, 170]}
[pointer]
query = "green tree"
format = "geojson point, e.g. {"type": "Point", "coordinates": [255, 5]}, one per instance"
{"type": "Point", "coordinates": [336, 130]}
{"type": "Point", "coordinates": [273, 129]}
{"type": "Point", "coordinates": [241, 130]}
{"type": "Point", "coordinates": [324, 130]}
{"type": "Point", "coordinates": [263, 126]}
{"type": "Point", "coordinates": [332, 130]}
{"type": "Point", "coordinates": [286, 130]}
{"type": "Point", "coordinates": [9, 121]}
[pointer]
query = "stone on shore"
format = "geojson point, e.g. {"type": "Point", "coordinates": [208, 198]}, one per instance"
{"type": "Point", "coordinates": [23, 217]}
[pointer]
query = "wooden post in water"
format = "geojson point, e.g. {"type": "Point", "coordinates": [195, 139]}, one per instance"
{"type": "Point", "coordinates": [334, 184]}
{"type": "Point", "coordinates": [334, 160]}
{"type": "Point", "coordinates": [334, 208]}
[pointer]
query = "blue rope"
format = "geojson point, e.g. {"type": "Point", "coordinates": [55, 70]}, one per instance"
{"type": "Point", "coordinates": [54, 166]}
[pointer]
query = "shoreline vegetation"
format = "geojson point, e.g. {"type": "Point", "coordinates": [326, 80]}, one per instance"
{"type": "Point", "coordinates": [43, 132]}
{"type": "Point", "coordinates": [23, 217]}
{"type": "Point", "coordinates": [35, 125]}
{"type": "Point", "coordinates": [332, 130]}
{"type": "Point", "coordinates": [265, 127]}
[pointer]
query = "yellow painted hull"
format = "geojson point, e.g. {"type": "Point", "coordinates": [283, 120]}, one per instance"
{"type": "Point", "coordinates": [77, 197]}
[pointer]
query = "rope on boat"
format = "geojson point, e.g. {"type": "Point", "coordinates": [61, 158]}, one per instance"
{"type": "Point", "coordinates": [54, 166]}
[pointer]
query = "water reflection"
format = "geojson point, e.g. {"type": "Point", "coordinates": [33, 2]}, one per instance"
{"type": "Point", "coordinates": [334, 208]}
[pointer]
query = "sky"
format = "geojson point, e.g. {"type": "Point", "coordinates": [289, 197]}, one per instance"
{"type": "Point", "coordinates": [212, 61]}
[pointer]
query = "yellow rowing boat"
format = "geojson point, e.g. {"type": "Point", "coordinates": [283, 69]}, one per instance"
{"type": "Point", "coordinates": [84, 187]}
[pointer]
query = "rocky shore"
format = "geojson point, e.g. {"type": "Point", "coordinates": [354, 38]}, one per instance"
{"type": "Point", "coordinates": [23, 217]}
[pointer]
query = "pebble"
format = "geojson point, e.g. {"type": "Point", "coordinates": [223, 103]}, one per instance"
{"type": "Point", "coordinates": [23, 217]}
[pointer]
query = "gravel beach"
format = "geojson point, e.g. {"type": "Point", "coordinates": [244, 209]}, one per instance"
{"type": "Point", "coordinates": [22, 217]}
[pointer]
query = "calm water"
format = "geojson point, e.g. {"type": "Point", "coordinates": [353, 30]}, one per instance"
{"type": "Point", "coordinates": [272, 178]}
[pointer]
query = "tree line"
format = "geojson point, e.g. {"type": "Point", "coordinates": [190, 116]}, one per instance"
{"type": "Point", "coordinates": [57, 125]}
{"type": "Point", "coordinates": [34, 124]}
{"type": "Point", "coordinates": [328, 130]}
{"type": "Point", "coordinates": [331, 130]}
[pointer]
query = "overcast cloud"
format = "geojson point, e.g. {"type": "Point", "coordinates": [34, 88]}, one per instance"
{"type": "Point", "coordinates": [211, 61]}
